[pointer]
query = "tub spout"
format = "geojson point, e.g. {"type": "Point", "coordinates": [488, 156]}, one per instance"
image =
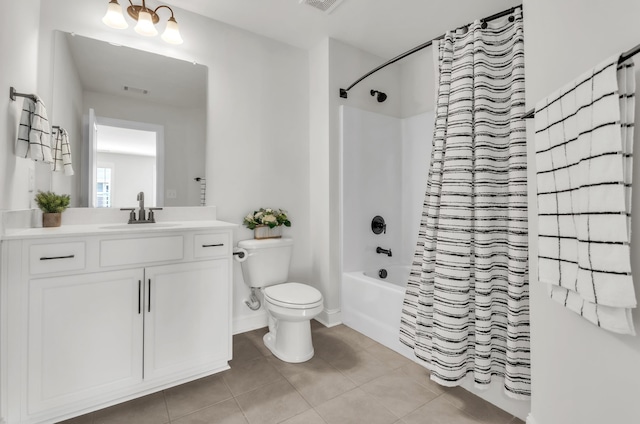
{"type": "Point", "coordinates": [384, 251]}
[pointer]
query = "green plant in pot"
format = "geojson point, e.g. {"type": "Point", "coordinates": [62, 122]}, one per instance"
{"type": "Point", "coordinates": [52, 205]}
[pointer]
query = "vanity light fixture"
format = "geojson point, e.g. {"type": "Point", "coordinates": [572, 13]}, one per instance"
{"type": "Point", "coordinates": [146, 20]}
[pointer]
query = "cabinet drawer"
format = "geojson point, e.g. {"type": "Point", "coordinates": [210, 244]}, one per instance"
{"type": "Point", "coordinates": [56, 257]}
{"type": "Point", "coordinates": [211, 245]}
{"type": "Point", "coordinates": [141, 250]}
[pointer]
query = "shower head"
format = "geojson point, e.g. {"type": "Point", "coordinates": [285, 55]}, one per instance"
{"type": "Point", "coordinates": [381, 96]}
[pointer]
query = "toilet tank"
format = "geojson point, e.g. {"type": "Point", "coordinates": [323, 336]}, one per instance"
{"type": "Point", "coordinates": [267, 261]}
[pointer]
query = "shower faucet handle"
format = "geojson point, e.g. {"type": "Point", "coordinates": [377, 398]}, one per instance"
{"type": "Point", "coordinates": [378, 225]}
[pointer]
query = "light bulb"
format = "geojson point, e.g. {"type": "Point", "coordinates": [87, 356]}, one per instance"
{"type": "Point", "coordinates": [171, 33]}
{"type": "Point", "coordinates": [145, 24]}
{"type": "Point", "coordinates": [114, 17]}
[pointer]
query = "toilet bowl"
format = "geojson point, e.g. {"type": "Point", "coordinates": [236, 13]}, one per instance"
{"type": "Point", "coordinates": [290, 305]}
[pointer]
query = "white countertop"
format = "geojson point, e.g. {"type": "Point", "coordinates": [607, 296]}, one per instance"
{"type": "Point", "coordinates": [25, 224]}
{"type": "Point", "coordinates": [112, 229]}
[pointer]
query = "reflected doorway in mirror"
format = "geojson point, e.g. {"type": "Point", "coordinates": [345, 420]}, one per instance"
{"type": "Point", "coordinates": [128, 159]}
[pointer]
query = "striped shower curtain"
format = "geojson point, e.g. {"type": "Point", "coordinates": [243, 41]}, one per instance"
{"type": "Point", "coordinates": [466, 308]}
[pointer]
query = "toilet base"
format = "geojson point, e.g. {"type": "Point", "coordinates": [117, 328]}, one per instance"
{"type": "Point", "coordinates": [291, 342]}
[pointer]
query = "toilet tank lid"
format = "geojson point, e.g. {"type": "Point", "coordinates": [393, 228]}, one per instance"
{"type": "Point", "coordinates": [264, 243]}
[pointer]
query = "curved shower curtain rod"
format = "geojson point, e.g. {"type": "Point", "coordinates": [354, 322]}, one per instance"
{"type": "Point", "coordinates": [344, 92]}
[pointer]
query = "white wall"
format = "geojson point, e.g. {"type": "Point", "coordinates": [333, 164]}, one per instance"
{"type": "Point", "coordinates": [18, 22]}
{"type": "Point", "coordinates": [334, 65]}
{"type": "Point", "coordinates": [257, 151]}
{"type": "Point", "coordinates": [66, 112]}
{"type": "Point", "coordinates": [184, 139]}
{"type": "Point", "coordinates": [319, 139]}
{"type": "Point", "coordinates": [130, 174]}
{"type": "Point", "coordinates": [581, 374]}
{"type": "Point", "coordinates": [418, 88]}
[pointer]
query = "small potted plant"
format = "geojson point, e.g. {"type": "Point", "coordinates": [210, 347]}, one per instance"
{"type": "Point", "coordinates": [267, 223]}
{"type": "Point", "coordinates": [52, 205]}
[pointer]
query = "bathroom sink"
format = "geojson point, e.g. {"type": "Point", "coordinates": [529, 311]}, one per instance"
{"type": "Point", "coordinates": [137, 226]}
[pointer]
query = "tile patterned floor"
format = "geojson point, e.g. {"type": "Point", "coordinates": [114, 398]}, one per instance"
{"type": "Point", "coordinates": [351, 379]}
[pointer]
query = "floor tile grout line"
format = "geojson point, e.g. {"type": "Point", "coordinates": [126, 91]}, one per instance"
{"type": "Point", "coordinates": [166, 407]}
{"type": "Point", "coordinates": [303, 397]}
{"type": "Point", "coordinates": [273, 382]}
{"type": "Point", "coordinates": [257, 387]}
{"type": "Point", "coordinates": [201, 409]}
{"type": "Point", "coordinates": [475, 417]}
{"type": "Point", "coordinates": [246, 418]}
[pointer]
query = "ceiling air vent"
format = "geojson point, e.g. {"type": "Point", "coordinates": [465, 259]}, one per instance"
{"type": "Point", "coordinates": [135, 90]}
{"type": "Point", "coordinates": [326, 6]}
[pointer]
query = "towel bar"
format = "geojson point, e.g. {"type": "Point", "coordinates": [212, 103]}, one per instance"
{"type": "Point", "coordinates": [13, 94]}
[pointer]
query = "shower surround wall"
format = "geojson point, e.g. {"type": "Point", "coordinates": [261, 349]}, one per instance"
{"type": "Point", "coordinates": [384, 171]}
{"type": "Point", "coordinates": [371, 172]}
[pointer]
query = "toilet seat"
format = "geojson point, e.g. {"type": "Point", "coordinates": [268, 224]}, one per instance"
{"type": "Point", "coordinates": [293, 295]}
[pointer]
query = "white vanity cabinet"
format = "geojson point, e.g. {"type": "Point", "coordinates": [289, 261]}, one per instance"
{"type": "Point", "coordinates": [185, 307]}
{"type": "Point", "coordinates": [85, 337]}
{"type": "Point", "coordinates": [90, 321]}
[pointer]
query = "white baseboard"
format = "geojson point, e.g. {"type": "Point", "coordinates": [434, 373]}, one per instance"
{"type": "Point", "coordinates": [330, 317]}
{"type": "Point", "coordinates": [530, 419]}
{"type": "Point", "coordinates": [249, 323]}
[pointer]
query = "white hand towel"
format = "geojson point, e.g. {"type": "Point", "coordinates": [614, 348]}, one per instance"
{"type": "Point", "coordinates": [61, 152]}
{"type": "Point", "coordinates": [584, 137]}
{"type": "Point", "coordinates": [34, 134]}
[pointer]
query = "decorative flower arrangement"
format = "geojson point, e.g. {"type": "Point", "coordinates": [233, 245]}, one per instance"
{"type": "Point", "coordinates": [269, 217]}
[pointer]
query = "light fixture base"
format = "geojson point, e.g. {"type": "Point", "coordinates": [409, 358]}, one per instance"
{"type": "Point", "coordinates": [134, 11]}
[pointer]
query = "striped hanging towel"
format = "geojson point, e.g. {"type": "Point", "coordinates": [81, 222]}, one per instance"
{"type": "Point", "coordinates": [584, 141]}
{"type": "Point", "coordinates": [34, 133]}
{"type": "Point", "coordinates": [61, 152]}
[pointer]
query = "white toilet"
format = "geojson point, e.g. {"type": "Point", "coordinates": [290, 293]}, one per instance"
{"type": "Point", "coordinates": [290, 306]}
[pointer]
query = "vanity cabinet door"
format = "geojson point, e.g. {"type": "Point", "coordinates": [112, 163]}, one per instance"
{"type": "Point", "coordinates": [187, 316]}
{"type": "Point", "coordinates": [85, 337]}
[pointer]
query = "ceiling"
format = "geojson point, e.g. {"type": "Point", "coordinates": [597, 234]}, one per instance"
{"type": "Point", "coordinates": [383, 27]}
{"type": "Point", "coordinates": [125, 141]}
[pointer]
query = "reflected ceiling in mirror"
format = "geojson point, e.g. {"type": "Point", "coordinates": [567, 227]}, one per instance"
{"type": "Point", "coordinates": [139, 89]}
{"type": "Point", "coordinates": [122, 71]}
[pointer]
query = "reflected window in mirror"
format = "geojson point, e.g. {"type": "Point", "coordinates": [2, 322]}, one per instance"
{"type": "Point", "coordinates": [103, 187]}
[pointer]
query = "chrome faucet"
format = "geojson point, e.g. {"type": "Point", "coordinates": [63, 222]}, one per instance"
{"type": "Point", "coordinates": [384, 251]}
{"type": "Point", "coordinates": [142, 218]}
{"type": "Point", "coordinates": [141, 212]}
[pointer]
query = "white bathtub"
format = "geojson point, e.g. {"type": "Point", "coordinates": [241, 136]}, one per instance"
{"type": "Point", "coordinates": [372, 305]}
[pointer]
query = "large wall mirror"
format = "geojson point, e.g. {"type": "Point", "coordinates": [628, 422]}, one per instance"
{"type": "Point", "coordinates": [136, 122]}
